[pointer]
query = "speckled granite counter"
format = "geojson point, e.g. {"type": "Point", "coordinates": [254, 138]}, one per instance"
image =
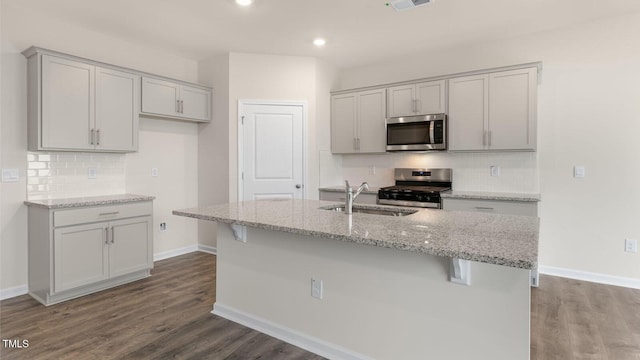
{"type": "Point", "coordinates": [490, 238]}
{"type": "Point", "coordinates": [479, 195]}
{"type": "Point", "coordinates": [88, 201]}
{"type": "Point", "coordinates": [340, 189]}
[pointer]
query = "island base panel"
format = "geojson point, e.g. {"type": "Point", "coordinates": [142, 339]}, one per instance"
{"type": "Point", "coordinates": [376, 303]}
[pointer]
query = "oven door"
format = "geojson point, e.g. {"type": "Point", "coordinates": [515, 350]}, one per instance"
{"type": "Point", "coordinates": [417, 133]}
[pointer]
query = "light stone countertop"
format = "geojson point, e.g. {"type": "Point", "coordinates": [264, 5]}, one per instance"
{"type": "Point", "coordinates": [88, 201]}
{"type": "Point", "coordinates": [372, 189]}
{"type": "Point", "coordinates": [507, 240]}
{"type": "Point", "coordinates": [484, 195]}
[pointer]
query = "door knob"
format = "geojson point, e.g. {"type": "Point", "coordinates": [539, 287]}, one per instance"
{"type": "Point", "coordinates": [298, 186]}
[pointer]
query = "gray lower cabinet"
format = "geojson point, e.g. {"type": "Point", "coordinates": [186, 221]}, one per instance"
{"type": "Point", "coordinates": [507, 207]}
{"type": "Point", "coordinates": [74, 252]}
{"type": "Point", "coordinates": [363, 198]}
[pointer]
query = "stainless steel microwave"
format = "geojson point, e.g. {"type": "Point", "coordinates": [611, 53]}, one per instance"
{"type": "Point", "coordinates": [417, 133]}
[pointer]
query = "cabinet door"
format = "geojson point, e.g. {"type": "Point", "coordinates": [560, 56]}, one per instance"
{"type": "Point", "coordinates": [468, 112]}
{"type": "Point", "coordinates": [371, 110]}
{"type": "Point", "coordinates": [430, 97]}
{"type": "Point", "coordinates": [80, 256]}
{"type": "Point", "coordinates": [343, 123]}
{"type": "Point", "coordinates": [196, 103]}
{"type": "Point", "coordinates": [130, 247]}
{"type": "Point", "coordinates": [160, 97]}
{"type": "Point", "coordinates": [67, 104]}
{"type": "Point", "coordinates": [512, 110]}
{"type": "Point", "coordinates": [117, 108]}
{"type": "Point", "coordinates": [401, 100]}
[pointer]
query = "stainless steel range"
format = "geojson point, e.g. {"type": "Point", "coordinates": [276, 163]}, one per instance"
{"type": "Point", "coordinates": [417, 188]}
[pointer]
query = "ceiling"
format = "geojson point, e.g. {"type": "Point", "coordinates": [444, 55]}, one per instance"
{"type": "Point", "coordinates": [358, 32]}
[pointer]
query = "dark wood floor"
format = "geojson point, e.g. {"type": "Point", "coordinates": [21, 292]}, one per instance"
{"type": "Point", "coordinates": [164, 316]}
{"type": "Point", "coordinates": [579, 320]}
{"type": "Point", "coordinates": [168, 316]}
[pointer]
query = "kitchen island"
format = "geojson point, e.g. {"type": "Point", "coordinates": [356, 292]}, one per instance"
{"type": "Point", "coordinates": [382, 287]}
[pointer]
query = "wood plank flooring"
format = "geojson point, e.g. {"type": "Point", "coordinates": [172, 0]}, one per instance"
{"type": "Point", "coordinates": [579, 320]}
{"type": "Point", "coordinates": [168, 316]}
{"type": "Point", "coordinates": [165, 316]}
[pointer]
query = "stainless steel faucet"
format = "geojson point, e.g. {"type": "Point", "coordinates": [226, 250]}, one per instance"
{"type": "Point", "coordinates": [350, 196]}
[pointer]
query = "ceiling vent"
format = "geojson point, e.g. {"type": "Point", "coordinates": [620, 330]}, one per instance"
{"type": "Point", "coordinates": [402, 5]}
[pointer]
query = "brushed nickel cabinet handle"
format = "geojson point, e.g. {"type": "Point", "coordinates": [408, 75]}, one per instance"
{"type": "Point", "coordinates": [178, 106]}
{"type": "Point", "coordinates": [91, 134]}
{"type": "Point", "coordinates": [181, 106]}
{"type": "Point", "coordinates": [106, 234]}
{"type": "Point", "coordinates": [98, 137]}
{"type": "Point", "coordinates": [483, 208]}
{"type": "Point", "coordinates": [109, 213]}
{"type": "Point", "coordinates": [113, 238]}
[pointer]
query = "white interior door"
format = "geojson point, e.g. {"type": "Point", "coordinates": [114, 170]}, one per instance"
{"type": "Point", "coordinates": [272, 146]}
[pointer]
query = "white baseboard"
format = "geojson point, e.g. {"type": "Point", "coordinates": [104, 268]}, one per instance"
{"type": "Point", "coordinates": [291, 336]}
{"type": "Point", "coordinates": [14, 291]}
{"type": "Point", "coordinates": [208, 249]}
{"type": "Point", "coordinates": [175, 252]}
{"type": "Point", "coordinates": [591, 277]}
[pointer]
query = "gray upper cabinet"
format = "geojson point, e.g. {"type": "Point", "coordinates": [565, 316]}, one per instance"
{"type": "Point", "coordinates": [358, 122]}
{"type": "Point", "coordinates": [170, 99]}
{"type": "Point", "coordinates": [417, 99]}
{"type": "Point", "coordinates": [78, 106]}
{"type": "Point", "coordinates": [495, 111]}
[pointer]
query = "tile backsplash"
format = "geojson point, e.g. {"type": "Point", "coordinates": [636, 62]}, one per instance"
{"type": "Point", "coordinates": [54, 175]}
{"type": "Point", "coordinates": [518, 170]}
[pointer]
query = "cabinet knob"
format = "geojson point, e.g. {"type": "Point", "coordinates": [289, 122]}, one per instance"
{"type": "Point", "coordinates": [298, 186]}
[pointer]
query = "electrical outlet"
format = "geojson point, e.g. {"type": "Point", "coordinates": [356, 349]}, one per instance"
{"type": "Point", "coordinates": [579, 172]}
{"type": "Point", "coordinates": [92, 173]}
{"type": "Point", "coordinates": [154, 172]}
{"type": "Point", "coordinates": [10, 175]}
{"type": "Point", "coordinates": [163, 226]}
{"type": "Point", "coordinates": [495, 170]}
{"type": "Point", "coordinates": [631, 245]}
{"type": "Point", "coordinates": [316, 288]}
{"type": "Point", "coordinates": [372, 170]}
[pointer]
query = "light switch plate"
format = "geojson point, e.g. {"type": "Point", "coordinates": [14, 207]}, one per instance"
{"type": "Point", "coordinates": [10, 175]}
{"type": "Point", "coordinates": [92, 173]}
{"type": "Point", "coordinates": [495, 170]}
{"type": "Point", "coordinates": [578, 171]}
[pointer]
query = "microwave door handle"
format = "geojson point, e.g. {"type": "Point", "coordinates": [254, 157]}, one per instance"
{"type": "Point", "coordinates": [432, 132]}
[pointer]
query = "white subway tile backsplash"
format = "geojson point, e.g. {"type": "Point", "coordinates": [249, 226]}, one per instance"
{"type": "Point", "coordinates": [518, 170]}
{"type": "Point", "coordinates": [59, 175]}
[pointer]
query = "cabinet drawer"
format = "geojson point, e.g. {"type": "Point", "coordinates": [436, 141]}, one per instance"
{"type": "Point", "coordinates": [101, 213]}
{"type": "Point", "coordinates": [364, 198]}
{"type": "Point", "coordinates": [492, 206]}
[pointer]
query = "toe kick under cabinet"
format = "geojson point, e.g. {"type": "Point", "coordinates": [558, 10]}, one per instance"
{"type": "Point", "coordinates": [78, 251]}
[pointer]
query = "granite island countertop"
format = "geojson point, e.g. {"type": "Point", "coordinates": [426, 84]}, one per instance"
{"type": "Point", "coordinates": [88, 201]}
{"type": "Point", "coordinates": [507, 240]}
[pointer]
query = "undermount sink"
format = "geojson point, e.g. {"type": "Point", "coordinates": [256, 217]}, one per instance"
{"type": "Point", "coordinates": [369, 210]}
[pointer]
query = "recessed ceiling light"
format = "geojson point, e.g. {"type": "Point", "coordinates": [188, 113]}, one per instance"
{"type": "Point", "coordinates": [319, 42]}
{"type": "Point", "coordinates": [244, 2]}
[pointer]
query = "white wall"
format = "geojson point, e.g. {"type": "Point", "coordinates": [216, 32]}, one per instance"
{"type": "Point", "coordinates": [588, 114]}
{"type": "Point", "coordinates": [169, 145]}
{"type": "Point", "coordinates": [213, 145]}
{"type": "Point", "coordinates": [271, 77]}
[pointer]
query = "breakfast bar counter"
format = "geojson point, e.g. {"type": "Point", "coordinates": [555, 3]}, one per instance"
{"type": "Point", "coordinates": [495, 239]}
{"type": "Point", "coordinates": [371, 286]}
